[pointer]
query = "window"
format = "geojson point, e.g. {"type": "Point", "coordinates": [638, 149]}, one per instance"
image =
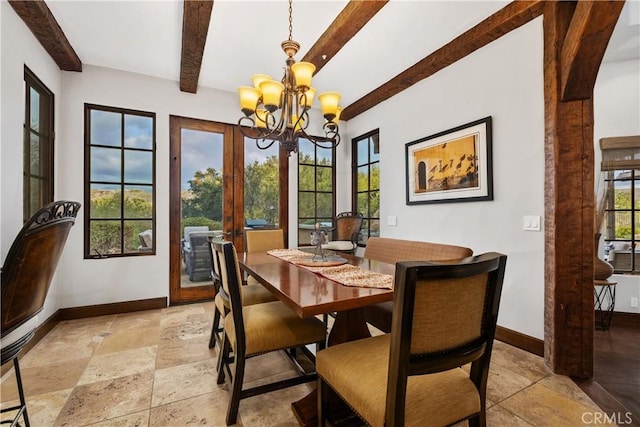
{"type": "Point", "coordinates": [365, 178]}
{"type": "Point", "coordinates": [38, 145]}
{"type": "Point", "coordinates": [621, 168]}
{"type": "Point", "coordinates": [120, 182]}
{"type": "Point", "coordinates": [316, 189]}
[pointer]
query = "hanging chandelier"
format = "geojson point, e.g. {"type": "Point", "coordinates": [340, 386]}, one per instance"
{"type": "Point", "coordinates": [278, 111]}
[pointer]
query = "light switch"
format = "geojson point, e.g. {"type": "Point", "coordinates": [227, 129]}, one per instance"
{"type": "Point", "coordinates": [531, 223]}
{"type": "Point", "coordinates": [392, 220]}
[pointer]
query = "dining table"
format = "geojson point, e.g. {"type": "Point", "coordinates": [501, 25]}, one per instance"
{"type": "Point", "coordinates": [309, 292]}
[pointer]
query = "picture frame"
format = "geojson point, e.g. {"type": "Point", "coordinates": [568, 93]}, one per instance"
{"type": "Point", "coordinates": [451, 166]}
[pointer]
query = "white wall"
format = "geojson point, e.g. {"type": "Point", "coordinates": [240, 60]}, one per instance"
{"type": "Point", "coordinates": [20, 48]}
{"type": "Point", "coordinates": [503, 80]}
{"type": "Point", "coordinates": [616, 105]}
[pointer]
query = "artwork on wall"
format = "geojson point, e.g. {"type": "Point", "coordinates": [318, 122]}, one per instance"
{"type": "Point", "coordinates": [451, 166]}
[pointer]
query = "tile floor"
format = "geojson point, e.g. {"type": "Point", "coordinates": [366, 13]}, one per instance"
{"type": "Point", "coordinates": [154, 368]}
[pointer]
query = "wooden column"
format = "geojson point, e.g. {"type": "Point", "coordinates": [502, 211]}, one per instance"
{"type": "Point", "coordinates": [569, 178]}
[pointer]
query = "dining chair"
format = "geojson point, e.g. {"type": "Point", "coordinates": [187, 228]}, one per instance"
{"type": "Point", "coordinates": [253, 293]}
{"type": "Point", "coordinates": [262, 241]}
{"type": "Point", "coordinates": [26, 276]}
{"type": "Point", "coordinates": [444, 317]}
{"type": "Point", "coordinates": [346, 229]}
{"type": "Point", "coordinates": [258, 329]}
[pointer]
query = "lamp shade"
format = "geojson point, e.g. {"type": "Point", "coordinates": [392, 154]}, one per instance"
{"type": "Point", "coordinates": [297, 126]}
{"type": "Point", "coordinates": [248, 99]}
{"type": "Point", "coordinates": [329, 103]}
{"type": "Point", "coordinates": [259, 78]}
{"type": "Point", "coordinates": [338, 112]}
{"type": "Point", "coordinates": [271, 91]}
{"type": "Point", "coordinates": [305, 99]}
{"type": "Point", "coordinates": [261, 118]}
{"type": "Point", "coordinates": [303, 71]}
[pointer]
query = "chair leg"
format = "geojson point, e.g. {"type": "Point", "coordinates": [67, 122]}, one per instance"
{"type": "Point", "coordinates": [223, 357]}
{"type": "Point", "coordinates": [215, 329]}
{"type": "Point", "coordinates": [320, 385]}
{"type": "Point", "coordinates": [23, 401]}
{"type": "Point", "coordinates": [236, 390]}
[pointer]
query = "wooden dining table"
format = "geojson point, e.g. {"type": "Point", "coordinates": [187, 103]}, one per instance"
{"type": "Point", "coordinates": [311, 294]}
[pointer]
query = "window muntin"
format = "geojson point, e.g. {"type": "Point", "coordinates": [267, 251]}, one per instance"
{"type": "Point", "coordinates": [366, 183]}
{"type": "Point", "coordinates": [316, 188]}
{"type": "Point", "coordinates": [120, 183]}
{"type": "Point", "coordinates": [38, 145]}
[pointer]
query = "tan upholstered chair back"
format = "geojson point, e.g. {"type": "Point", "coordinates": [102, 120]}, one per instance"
{"type": "Point", "coordinates": [230, 276]}
{"type": "Point", "coordinates": [264, 240]}
{"type": "Point", "coordinates": [394, 250]}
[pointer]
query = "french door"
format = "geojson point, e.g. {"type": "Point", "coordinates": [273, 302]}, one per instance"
{"type": "Point", "coordinates": [220, 184]}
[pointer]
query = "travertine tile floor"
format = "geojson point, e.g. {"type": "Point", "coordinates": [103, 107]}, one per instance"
{"type": "Point", "coordinates": [154, 368]}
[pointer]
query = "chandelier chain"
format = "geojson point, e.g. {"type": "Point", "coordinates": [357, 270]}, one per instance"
{"type": "Point", "coordinates": [290, 19]}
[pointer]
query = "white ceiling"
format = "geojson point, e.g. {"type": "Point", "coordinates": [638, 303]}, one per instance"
{"type": "Point", "coordinates": [244, 38]}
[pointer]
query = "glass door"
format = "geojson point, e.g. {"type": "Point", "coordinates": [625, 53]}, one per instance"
{"type": "Point", "coordinates": [201, 203]}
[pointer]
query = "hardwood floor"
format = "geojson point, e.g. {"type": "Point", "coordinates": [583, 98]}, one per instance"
{"type": "Point", "coordinates": [617, 361]}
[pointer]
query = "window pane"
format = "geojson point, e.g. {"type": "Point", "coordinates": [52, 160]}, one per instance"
{"type": "Point", "coordinates": [138, 166]}
{"type": "Point", "coordinates": [261, 183]}
{"type": "Point", "coordinates": [306, 178]}
{"type": "Point", "coordinates": [104, 237]}
{"type": "Point", "coordinates": [306, 205]}
{"type": "Point", "coordinates": [375, 176]}
{"type": "Point", "coordinates": [363, 204]}
{"type": "Point", "coordinates": [34, 154]}
{"type": "Point", "coordinates": [106, 128]}
{"type": "Point", "coordinates": [363, 178]}
{"type": "Point", "coordinates": [363, 151]}
{"type": "Point", "coordinates": [138, 201]}
{"type": "Point", "coordinates": [622, 225]}
{"type": "Point", "coordinates": [636, 184]}
{"type": "Point", "coordinates": [324, 156]}
{"type": "Point", "coordinates": [306, 152]}
{"type": "Point", "coordinates": [364, 232]}
{"type": "Point", "coordinates": [325, 205]}
{"type": "Point", "coordinates": [133, 241]}
{"type": "Point", "coordinates": [324, 178]}
{"type": "Point", "coordinates": [374, 204]}
{"type": "Point", "coordinates": [105, 164]}
{"type": "Point", "coordinates": [622, 194]}
{"type": "Point", "coordinates": [374, 228]}
{"type": "Point", "coordinates": [374, 148]}
{"type": "Point", "coordinates": [105, 201]}
{"type": "Point", "coordinates": [34, 109]}
{"type": "Point", "coordinates": [138, 132]}
{"type": "Point", "coordinates": [304, 232]}
{"type": "Point", "coordinates": [35, 198]}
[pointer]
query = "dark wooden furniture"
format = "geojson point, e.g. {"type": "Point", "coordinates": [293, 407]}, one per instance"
{"type": "Point", "coordinates": [310, 294]}
{"type": "Point", "coordinates": [26, 277]}
{"type": "Point", "coordinates": [604, 292]}
{"type": "Point", "coordinates": [345, 233]}
{"type": "Point", "coordinates": [444, 316]}
{"type": "Point", "coordinates": [257, 329]}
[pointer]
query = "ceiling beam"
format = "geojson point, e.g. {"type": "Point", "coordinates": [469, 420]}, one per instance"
{"type": "Point", "coordinates": [353, 17]}
{"type": "Point", "coordinates": [195, 26]}
{"type": "Point", "coordinates": [584, 45]}
{"type": "Point", "coordinates": [37, 16]}
{"type": "Point", "coordinates": [510, 17]}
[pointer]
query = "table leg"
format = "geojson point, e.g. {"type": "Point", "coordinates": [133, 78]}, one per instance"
{"type": "Point", "coordinates": [347, 326]}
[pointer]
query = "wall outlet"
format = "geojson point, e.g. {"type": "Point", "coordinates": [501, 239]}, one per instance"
{"type": "Point", "coordinates": [634, 302]}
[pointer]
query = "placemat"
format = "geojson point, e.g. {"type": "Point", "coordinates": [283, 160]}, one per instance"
{"type": "Point", "coordinates": [345, 274]}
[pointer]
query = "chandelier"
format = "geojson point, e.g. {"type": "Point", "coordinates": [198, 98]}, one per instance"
{"type": "Point", "coordinates": [278, 111]}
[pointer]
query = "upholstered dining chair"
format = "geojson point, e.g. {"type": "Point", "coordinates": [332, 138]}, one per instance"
{"type": "Point", "coordinates": [444, 317]}
{"type": "Point", "coordinates": [347, 226]}
{"type": "Point", "coordinates": [26, 276]}
{"type": "Point", "coordinates": [262, 241]}
{"type": "Point", "coordinates": [258, 329]}
{"type": "Point", "coordinates": [253, 293]}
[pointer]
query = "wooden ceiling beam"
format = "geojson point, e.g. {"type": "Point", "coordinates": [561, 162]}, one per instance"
{"type": "Point", "coordinates": [195, 26]}
{"type": "Point", "coordinates": [353, 17]}
{"type": "Point", "coordinates": [37, 16]}
{"type": "Point", "coordinates": [583, 48]}
{"type": "Point", "coordinates": [512, 16]}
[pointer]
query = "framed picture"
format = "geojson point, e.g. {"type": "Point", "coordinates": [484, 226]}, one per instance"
{"type": "Point", "coordinates": [451, 166]}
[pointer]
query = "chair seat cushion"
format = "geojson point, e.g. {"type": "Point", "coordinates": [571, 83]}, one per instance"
{"type": "Point", "coordinates": [253, 293]}
{"type": "Point", "coordinates": [274, 326]}
{"type": "Point", "coordinates": [339, 245]}
{"type": "Point", "coordinates": [358, 371]}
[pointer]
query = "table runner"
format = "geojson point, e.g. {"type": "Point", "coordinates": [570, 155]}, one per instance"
{"type": "Point", "coordinates": [346, 274]}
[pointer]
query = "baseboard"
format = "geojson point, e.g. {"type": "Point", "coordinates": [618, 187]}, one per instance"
{"type": "Point", "coordinates": [83, 312]}
{"type": "Point", "coordinates": [112, 308]}
{"type": "Point", "coordinates": [521, 341]}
